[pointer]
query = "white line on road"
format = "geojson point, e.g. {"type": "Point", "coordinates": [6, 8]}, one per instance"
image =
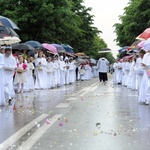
{"type": "Point", "coordinates": [38, 134]}
{"type": "Point", "coordinates": [6, 144]}
{"type": "Point", "coordinates": [63, 105]}
{"type": "Point", "coordinates": [71, 99]}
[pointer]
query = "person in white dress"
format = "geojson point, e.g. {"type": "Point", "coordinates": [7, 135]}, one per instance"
{"type": "Point", "coordinates": [41, 74]}
{"type": "Point", "coordinates": [9, 70]}
{"type": "Point", "coordinates": [144, 93]}
{"type": "Point", "coordinates": [2, 94]}
{"type": "Point", "coordinates": [72, 72]}
{"type": "Point", "coordinates": [67, 71]}
{"type": "Point", "coordinates": [103, 65]}
{"type": "Point", "coordinates": [62, 71]}
{"type": "Point", "coordinates": [20, 77]}
{"type": "Point", "coordinates": [50, 73]}
{"type": "Point", "coordinates": [29, 85]}
{"type": "Point", "coordinates": [139, 69]}
{"type": "Point", "coordinates": [132, 75]}
{"type": "Point", "coordinates": [118, 72]}
{"type": "Point", "coordinates": [56, 71]}
{"type": "Point", "coordinates": [94, 70]}
{"type": "Point", "coordinates": [127, 67]}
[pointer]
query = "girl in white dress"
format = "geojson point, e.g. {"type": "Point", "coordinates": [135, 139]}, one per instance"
{"type": "Point", "coordinates": [2, 95]}
{"type": "Point", "coordinates": [50, 73]}
{"type": "Point", "coordinates": [72, 68]}
{"type": "Point", "coordinates": [30, 81]}
{"type": "Point", "coordinates": [67, 71]}
{"type": "Point", "coordinates": [20, 77]}
{"type": "Point", "coordinates": [41, 74]}
{"type": "Point", "coordinates": [118, 72]}
{"type": "Point", "coordinates": [139, 69]}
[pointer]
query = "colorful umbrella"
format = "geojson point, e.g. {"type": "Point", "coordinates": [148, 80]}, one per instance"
{"type": "Point", "coordinates": [50, 47]}
{"type": "Point", "coordinates": [8, 23]}
{"type": "Point", "coordinates": [35, 44]}
{"type": "Point", "coordinates": [141, 44]}
{"type": "Point", "coordinates": [59, 48]}
{"type": "Point", "coordinates": [145, 35]}
{"type": "Point", "coordinates": [5, 31]}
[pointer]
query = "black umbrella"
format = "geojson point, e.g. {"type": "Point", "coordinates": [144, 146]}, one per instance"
{"type": "Point", "coordinates": [23, 46]}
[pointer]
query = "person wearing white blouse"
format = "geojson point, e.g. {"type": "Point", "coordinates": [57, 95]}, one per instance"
{"type": "Point", "coordinates": [41, 74]}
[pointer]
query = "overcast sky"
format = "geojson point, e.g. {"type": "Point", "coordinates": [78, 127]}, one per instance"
{"type": "Point", "coordinates": [106, 14]}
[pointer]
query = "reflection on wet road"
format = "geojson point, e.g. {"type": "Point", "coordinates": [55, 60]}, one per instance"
{"type": "Point", "coordinates": [84, 116]}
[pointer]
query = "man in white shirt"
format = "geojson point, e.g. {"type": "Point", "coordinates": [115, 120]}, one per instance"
{"type": "Point", "coordinates": [102, 66]}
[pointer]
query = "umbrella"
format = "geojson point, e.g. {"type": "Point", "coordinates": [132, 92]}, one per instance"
{"type": "Point", "coordinates": [80, 54]}
{"type": "Point", "coordinates": [9, 40]}
{"type": "Point", "coordinates": [5, 31]}
{"type": "Point", "coordinates": [68, 48]}
{"type": "Point", "coordinates": [146, 45]}
{"type": "Point", "coordinates": [145, 35]}
{"type": "Point", "coordinates": [59, 48]}
{"type": "Point", "coordinates": [35, 44]}
{"type": "Point", "coordinates": [70, 54]}
{"type": "Point", "coordinates": [23, 46]}
{"type": "Point", "coordinates": [1, 36]}
{"type": "Point", "coordinates": [50, 47]}
{"type": "Point", "coordinates": [136, 43]}
{"type": "Point", "coordinates": [141, 44]}
{"type": "Point", "coordinates": [123, 49]}
{"type": "Point", "coordinates": [8, 23]}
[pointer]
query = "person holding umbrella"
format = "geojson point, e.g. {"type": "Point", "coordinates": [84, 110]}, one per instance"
{"type": "Point", "coordinates": [102, 66]}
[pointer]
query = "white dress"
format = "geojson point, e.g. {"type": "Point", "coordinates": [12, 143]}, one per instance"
{"type": "Point", "coordinates": [29, 85]}
{"type": "Point", "coordinates": [127, 70]}
{"type": "Point", "coordinates": [144, 93]}
{"type": "Point", "coordinates": [57, 73]}
{"type": "Point", "coordinates": [118, 73]}
{"type": "Point", "coordinates": [20, 77]}
{"type": "Point", "coordinates": [2, 95]}
{"type": "Point", "coordinates": [50, 74]}
{"type": "Point", "coordinates": [62, 72]}
{"type": "Point", "coordinates": [72, 68]}
{"type": "Point", "coordinates": [94, 71]}
{"type": "Point", "coordinates": [41, 74]}
{"type": "Point", "coordinates": [10, 63]}
{"type": "Point", "coordinates": [139, 73]}
{"type": "Point", "coordinates": [67, 73]}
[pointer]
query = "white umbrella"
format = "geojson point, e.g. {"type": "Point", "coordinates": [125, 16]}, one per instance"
{"type": "Point", "coordinates": [9, 40]}
{"type": "Point", "coordinates": [146, 46]}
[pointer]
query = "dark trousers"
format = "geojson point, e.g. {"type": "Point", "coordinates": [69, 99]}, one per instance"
{"type": "Point", "coordinates": [103, 76]}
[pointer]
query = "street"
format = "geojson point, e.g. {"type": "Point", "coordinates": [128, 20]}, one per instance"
{"type": "Point", "coordinates": [87, 115]}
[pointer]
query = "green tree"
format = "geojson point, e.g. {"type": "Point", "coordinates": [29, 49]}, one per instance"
{"type": "Point", "coordinates": [51, 21]}
{"type": "Point", "coordinates": [134, 21]}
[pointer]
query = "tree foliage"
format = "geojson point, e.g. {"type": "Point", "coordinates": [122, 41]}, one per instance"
{"type": "Point", "coordinates": [134, 21]}
{"type": "Point", "coordinates": [53, 21]}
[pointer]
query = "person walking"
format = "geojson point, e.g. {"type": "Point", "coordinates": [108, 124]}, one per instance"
{"type": "Point", "coordinates": [103, 65]}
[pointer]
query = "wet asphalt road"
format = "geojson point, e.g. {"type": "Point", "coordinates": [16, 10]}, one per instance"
{"type": "Point", "coordinates": [84, 116]}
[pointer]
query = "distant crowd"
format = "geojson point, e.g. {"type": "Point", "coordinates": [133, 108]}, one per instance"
{"type": "Point", "coordinates": [20, 72]}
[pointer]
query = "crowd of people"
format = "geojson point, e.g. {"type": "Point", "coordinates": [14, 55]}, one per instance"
{"type": "Point", "coordinates": [133, 72]}
{"type": "Point", "coordinates": [20, 72]}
